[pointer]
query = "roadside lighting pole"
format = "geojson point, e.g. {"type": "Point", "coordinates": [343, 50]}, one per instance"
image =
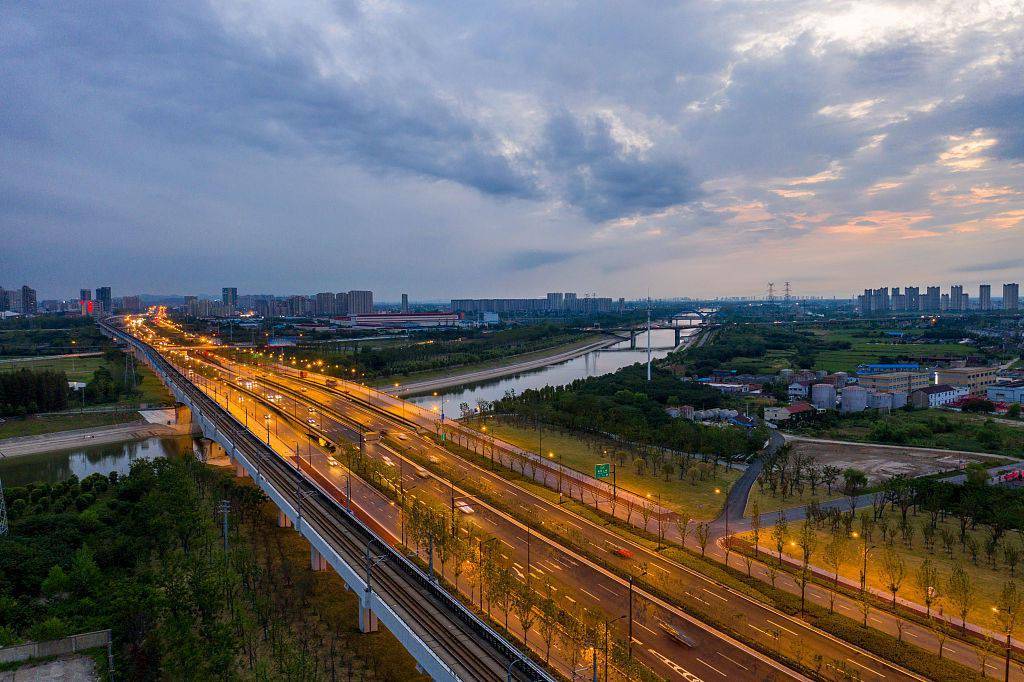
{"type": "Point", "coordinates": [607, 627]}
{"type": "Point", "coordinates": [864, 566]}
{"type": "Point", "coordinates": [632, 578]}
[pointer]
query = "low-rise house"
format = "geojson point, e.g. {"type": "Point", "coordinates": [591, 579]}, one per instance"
{"type": "Point", "coordinates": [936, 396]}
{"type": "Point", "coordinates": [1009, 392]}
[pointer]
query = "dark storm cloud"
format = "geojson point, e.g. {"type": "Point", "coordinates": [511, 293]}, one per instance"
{"type": "Point", "coordinates": [303, 142]}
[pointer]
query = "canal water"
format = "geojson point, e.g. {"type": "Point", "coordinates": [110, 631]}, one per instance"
{"type": "Point", "coordinates": [59, 465]}
{"type": "Point", "coordinates": [591, 364]}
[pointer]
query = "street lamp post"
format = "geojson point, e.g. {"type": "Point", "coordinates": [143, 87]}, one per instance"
{"type": "Point", "coordinates": [632, 578]}
{"type": "Point", "coordinates": [607, 627]}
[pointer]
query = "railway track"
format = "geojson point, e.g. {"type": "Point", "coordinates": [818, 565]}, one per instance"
{"type": "Point", "coordinates": [470, 650]}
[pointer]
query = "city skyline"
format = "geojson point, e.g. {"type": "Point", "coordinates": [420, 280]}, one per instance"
{"type": "Point", "coordinates": [165, 148]}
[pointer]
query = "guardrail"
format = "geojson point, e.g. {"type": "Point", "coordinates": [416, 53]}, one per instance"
{"type": "Point", "coordinates": [456, 608]}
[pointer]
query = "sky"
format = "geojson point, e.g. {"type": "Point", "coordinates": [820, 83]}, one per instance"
{"type": "Point", "coordinates": [454, 149]}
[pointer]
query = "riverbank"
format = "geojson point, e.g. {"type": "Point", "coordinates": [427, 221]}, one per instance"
{"type": "Point", "coordinates": [100, 435]}
{"type": "Point", "coordinates": [502, 368]}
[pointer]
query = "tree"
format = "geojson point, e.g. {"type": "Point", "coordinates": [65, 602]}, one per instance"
{"type": "Point", "coordinates": [894, 569]}
{"type": "Point", "coordinates": [854, 482]}
{"type": "Point", "coordinates": [1011, 555]}
{"type": "Point", "coordinates": [755, 524]}
{"type": "Point", "coordinates": [927, 579]}
{"type": "Point", "coordinates": [703, 531]}
{"type": "Point", "coordinates": [1011, 601]}
{"type": "Point", "coordinates": [837, 551]}
{"type": "Point", "coordinates": [807, 541]}
{"type": "Point", "coordinates": [548, 624]}
{"type": "Point", "coordinates": [961, 591]}
{"type": "Point", "coordinates": [524, 601]}
{"type": "Point", "coordinates": [829, 476]}
{"type": "Point", "coordinates": [779, 535]}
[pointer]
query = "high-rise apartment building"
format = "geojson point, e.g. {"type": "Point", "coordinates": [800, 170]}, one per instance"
{"type": "Point", "coordinates": [325, 304]}
{"type": "Point", "coordinates": [956, 296]}
{"type": "Point", "coordinates": [229, 297]}
{"type": "Point", "coordinates": [913, 298]}
{"type": "Point", "coordinates": [84, 295]}
{"type": "Point", "coordinates": [5, 299]}
{"type": "Point", "coordinates": [985, 297]}
{"type": "Point", "coordinates": [405, 304]}
{"type": "Point", "coordinates": [1011, 298]}
{"type": "Point", "coordinates": [28, 300]}
{"type": "Point", "coordinates": [944, 303]}
{"type": "Point", "coordinates": [556, 300]}
{"type": "Point", "coordinates": [104, 299]}
{"type": "Point", "coordinates": [133, 304]}
{"type": "Point", "coordinates": [341, 303]}
{"type": "Point", "coordinates": [897, 300]}
{"type": "Point", "coordinates": [932, 299]}
{"type": "Point", "coordinates": [360, 302]}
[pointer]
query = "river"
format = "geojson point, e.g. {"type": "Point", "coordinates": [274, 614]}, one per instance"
{"type": "Point", "coordinates": [59, 465]}
{"type": "Point", "coordinates": [594, 363]}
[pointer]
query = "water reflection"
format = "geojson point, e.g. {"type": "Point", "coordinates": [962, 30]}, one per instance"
{"type": "Point", "coordinates": [591, 364]}
{"type": "Point", "coordinates": [60, 465]}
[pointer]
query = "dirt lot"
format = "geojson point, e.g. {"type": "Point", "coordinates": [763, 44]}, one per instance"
{"type": "Point", "coordinates": [882, 461]}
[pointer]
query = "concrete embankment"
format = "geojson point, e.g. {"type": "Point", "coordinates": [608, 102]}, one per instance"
{"type": "Point", "coordinates": [100, 435]}
{"type": "Point", "coordinates": [419, 387]}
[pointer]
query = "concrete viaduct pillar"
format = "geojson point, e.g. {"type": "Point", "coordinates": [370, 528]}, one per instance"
{"type": "Point", "coordinates": [317, 562]}
{"type": "Point", "coordinates": [678, 335]}
{"type": "Point", "coordinates": [367, 618]}
{"type": "Point", "coordinates": [282, 520]}
{"type": "Point", "coordinates": [632, 339]}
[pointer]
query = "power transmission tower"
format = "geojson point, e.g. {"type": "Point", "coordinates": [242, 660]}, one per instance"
{"type": "Point", "coordinates": [786, 292]}
{"type": "Point", "coordinates": [3, 511]}
{"type": "Point", "coordinates": [771, 292]}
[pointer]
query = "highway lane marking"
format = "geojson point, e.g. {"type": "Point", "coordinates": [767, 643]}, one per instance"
{"type": "Point", "coordinates": [716, 596]}
{"type": "Point", "coordinates": [608, 590]}
{"type": "Point", "coordinates": [736, 663]}
{"type": "Point", "coordinates": [861, 665]}
{"type": "Point", "coordinates": [570, 599]}
{"type": "Point", "coordinates": [771, 622]}
{"type": "Point", "coordinates": [702, 601]}
{"type": "Point", "coordinates": [676, 668]}
{"type": "Point", "coordinates": [659, 568]}
{"type": "Point", "coordinates": [711, 666]}
{"type": "Point", "coordinates": [590, 593]}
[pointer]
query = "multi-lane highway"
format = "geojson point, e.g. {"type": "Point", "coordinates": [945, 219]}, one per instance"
{"type": "Point", "coordinates": [584, 561]}
{"type": "Point", "coordinates": [578, 582]}
{"type": "Point", "coordinates": [753, 621]}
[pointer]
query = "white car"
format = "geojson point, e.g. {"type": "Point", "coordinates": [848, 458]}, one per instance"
{"type": "Point", "coordinates": [464, 508]}
{"type": "Point", "coordinates": [387, 460]}
{"type": "Point", "coordinates": [401, 436]}
{"type": "Point", "coordinates": [311, 421]}
{"type": "Point", "coordinates": [422, 473]}
{"type": "Point", "coordinates": [333, 462]}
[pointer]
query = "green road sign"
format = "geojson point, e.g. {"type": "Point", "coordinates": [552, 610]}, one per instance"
{"type": "Point", "coordinates": [602, 470]}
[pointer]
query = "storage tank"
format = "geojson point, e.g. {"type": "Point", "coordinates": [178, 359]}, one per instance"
{"type": "Point", "coordinates": [855, 399]}
{"type": "Point", "coordinates": [823, 396]}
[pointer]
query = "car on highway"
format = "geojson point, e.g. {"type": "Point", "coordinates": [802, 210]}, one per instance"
{"type": "Point", "coordinates": [333, 462]}
{"type": "Point", "coordinates": [464, 508]}
{"type": "Point", "coordinates": [401, 436]}
{"type": "Point", "coordinates": [623, 553]}
{"type": "Point", "coordinates": [422, 473]}
{"type": "Point", "coordinates": [433, 459]}
{"type": "Point", "coordinates": [311, 421]}
{"type": "Point", "coordinates": [676, 634]}
{"type": "Point", "coordinates": [387, 460]}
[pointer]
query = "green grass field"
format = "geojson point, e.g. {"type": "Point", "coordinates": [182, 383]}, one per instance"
{"type": "Point", "coordinates": [152, 391]}
{"type": "Point", "coordinates": [987, 581]}
{"type": "Point", "coordinates": [34, 426]}
{"type": "Point", "coordinates": [696, 499]}
{"type": "Point", "coordinates": [77, 369]}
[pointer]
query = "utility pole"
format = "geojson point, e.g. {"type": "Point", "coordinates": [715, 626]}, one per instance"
{"type": "Point", "coordinates": [771, 292]}
{"type": "Point", "coordinates": [3, 512]}
{"type": "Point", "coordinates": [785, 295]}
